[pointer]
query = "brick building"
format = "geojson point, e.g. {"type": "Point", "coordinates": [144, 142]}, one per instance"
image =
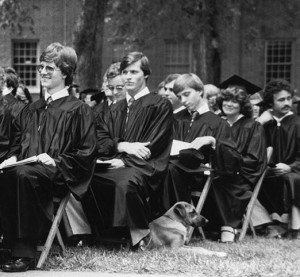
{"type": "Point", "coordinates": [276, 56]}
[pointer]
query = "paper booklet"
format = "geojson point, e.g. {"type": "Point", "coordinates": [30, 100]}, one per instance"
{"type": "Point", "coordinates": [30, 160]}
{"type": "Point", "coordinates": [178, 145]}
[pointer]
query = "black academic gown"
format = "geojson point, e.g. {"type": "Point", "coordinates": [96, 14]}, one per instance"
{"type": "Point", "coordinates": [232, 193]}
{"type": "Point", "coordinates": [180, 180]}
{"type": "Point", "coordinates": [276, 194]}
{"type": "Point", "coordinates": [12, 104]}
{"type": "Point", "coordinates": [64, 130]}
{"type": "Point", "coordinates": [122, 194]}
{"type": "Point", "coordinates": [5, 131]}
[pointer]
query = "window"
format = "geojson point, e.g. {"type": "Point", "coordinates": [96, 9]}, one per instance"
{"type": "Point", "coordinates": [279, 60]}
{"type": "Point", "coordinates": [25, 61]}
{"type": "Point", "coordinates": [177, 57]}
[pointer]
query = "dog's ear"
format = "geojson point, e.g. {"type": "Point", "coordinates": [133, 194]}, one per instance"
{"type": "Point", "coordinates": [180, 210]}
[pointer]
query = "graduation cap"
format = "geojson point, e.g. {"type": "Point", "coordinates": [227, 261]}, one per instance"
{"type": "Point", "coordinates": [239, 81]}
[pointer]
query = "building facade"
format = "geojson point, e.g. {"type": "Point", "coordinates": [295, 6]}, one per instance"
{"type": "Point", "coordinates": [274, 53]}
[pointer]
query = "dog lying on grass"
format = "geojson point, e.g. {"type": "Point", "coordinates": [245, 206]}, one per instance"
{"type": "Point", "coordinates": [170, 229]}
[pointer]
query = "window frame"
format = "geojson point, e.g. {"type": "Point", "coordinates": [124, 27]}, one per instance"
{"type": "Point", "coordinates": [271, 42]}
{"type": "Point", "coordinates": [31, 88]}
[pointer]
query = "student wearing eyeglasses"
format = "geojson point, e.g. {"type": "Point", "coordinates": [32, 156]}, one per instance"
{"type": "Point", "coordinates": [168, 93]}
{"type": "Point", "coordinates": [59, 130]}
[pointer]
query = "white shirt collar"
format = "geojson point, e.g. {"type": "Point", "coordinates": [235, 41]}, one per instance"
{"type": "Point", "coordinates": [238, 118]}
{"type": "Point", "coordinates": [178, 109]}
{"type": "Point", "coordinates": [59, 94]}
{"type": "Point", "coordinates": [140, 94]}
{"type": "Point", "coordinates": [278, 120]}
{"type": "Point", "coordinates": [203, 109]}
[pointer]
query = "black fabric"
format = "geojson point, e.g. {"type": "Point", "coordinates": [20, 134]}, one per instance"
{"type": "Point", "coordinates": [122, 193]}
{"type": "Point", "coordinates": [275, 194]}
{"type": "Point", "coordinates": [230, 193]}
{"type": "Point", "coordinates": [180, 180]}
{"type": "Point", "coordinates": [64, 130]}
{"type": "Point", "coordinates": [191, 158]}
{"type": "Point", "coordinates": [6, 120]}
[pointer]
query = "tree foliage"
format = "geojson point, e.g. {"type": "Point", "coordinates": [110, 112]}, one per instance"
{"type": "Point", "coordinates": [14, 15]}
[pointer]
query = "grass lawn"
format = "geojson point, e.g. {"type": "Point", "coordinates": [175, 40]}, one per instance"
{"type": "Point", "coordinates": [252, 258]}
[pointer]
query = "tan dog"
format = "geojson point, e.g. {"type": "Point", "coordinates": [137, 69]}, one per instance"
{"type": "Point", "coordinates": [171, 229]}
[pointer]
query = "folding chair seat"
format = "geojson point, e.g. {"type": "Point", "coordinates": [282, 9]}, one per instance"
{"type": "Point", "coordinates": [201, 197]}
{"type": "Point", "coordinates": [54, 231]}
{"type": "Point", "coordinates": [247, 218]}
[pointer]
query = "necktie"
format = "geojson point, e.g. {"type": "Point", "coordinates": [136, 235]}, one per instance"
{"type": "Point", "coordinates": [194, 115]}
{"type": "Point", "coordinates": [129, 103]}
{"type": "Point", "coordinates": [42, 119]}
{"type": "Point", "coordinates": [49, 100]}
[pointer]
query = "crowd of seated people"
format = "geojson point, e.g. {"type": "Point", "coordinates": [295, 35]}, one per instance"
{"type": "Point", "coordinates": [113, 149]}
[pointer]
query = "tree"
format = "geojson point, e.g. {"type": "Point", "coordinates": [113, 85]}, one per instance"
{"type": "Point", "coordinates": [13, 15]}
{"type": "Point", "coordinates": [204, 22]}
{"type": "Point", "coordinates": [88, 43]}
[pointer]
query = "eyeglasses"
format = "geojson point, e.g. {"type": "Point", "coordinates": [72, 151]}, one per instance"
{"type": "Point", "coordinates": [49, 69]}
{"type": "Point", "coordinates": [118, 88]}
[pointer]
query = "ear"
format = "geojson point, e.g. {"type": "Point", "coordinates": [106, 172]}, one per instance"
{"type": "Point", "coordinates": [180, 210]}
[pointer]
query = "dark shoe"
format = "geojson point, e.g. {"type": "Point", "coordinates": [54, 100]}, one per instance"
{"type": "Point", "coordinates": [292, 234]}
{"type": "Point", "coordinates": [19, 265]}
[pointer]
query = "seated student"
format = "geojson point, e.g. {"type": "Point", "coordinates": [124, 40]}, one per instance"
{"type": "Point", "coordinates": [211, 93]}
{"type": "Point", "coordinates": [231, 194]}
{"type": "Point", "coordinates": [5, 121]}
{"type": "Point", "coordinates": [280, 192]}
{"type": "Point", "coordinates": [115, 89]}
{"type": "Point", "coordinates": [5, 132]}
{"type": "Point", "coordinates": [59, 130]}
{"type": "Point", "coordinates": [169, 94]}
{"type": "Point", "coordinates": [10, 90]}
{"type": "Point", "coordinates": [136, 141]}
{"type": "Point", "coordinates": [198, 126]}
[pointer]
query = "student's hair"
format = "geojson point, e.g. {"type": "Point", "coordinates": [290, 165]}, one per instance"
{"type": "Point", "coordinates": [12, 79]}
{"type": "Point", "coordinates": [170, 78]}
{"type": "Point", "coordinates": [26, 92]}
{"type": "Point", "coordinates": [113, 71]}
{"type": "Point", "coordinates": [133, 57]}
{"type": "Point", "coordinates": [188, 80]}
{"type": "Point", "coordinates": [273, 87]}
{"type": "Point", "coordinates": [64, 57]}
{"type": "Point", "coordinates": [238, 95]}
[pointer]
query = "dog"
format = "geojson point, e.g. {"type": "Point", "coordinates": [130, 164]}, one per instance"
{"type": "Point", "coordinates": [170, 230]}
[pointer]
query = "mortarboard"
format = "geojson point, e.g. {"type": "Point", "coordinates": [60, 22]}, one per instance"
{"type": "Point", "coordinates": [239, 81]}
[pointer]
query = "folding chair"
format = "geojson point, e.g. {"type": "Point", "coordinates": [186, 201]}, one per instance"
{"type": "Point", "coordinates": [201, 196]}
{"type": "Point", "coordinates": [247, 219]}
{"type": "Point", "coordinates": [54, 231]}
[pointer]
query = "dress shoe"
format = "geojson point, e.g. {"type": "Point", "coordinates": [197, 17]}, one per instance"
{"type": "Point", "coordinates": [19, 265]}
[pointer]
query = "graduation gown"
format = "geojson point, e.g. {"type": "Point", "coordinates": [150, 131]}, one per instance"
{"type": "Point", "coordinates": [13, 104]}
{"type": "Point", "coordinates": [122, 194]}
{"type": "Point", "coordinates": [232, 193]}
{"type": "Point", "coordinates": [5, 131]}
{"type": "Point", "coordinates": [65, 130]}
{"type": "Point", "coordinates": [180, 181]}
{"type": "Point", "coordinates": [276, 195]}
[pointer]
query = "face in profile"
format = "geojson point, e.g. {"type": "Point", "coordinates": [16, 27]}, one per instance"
{"type": "Point", "coordinates": [20, 94]}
